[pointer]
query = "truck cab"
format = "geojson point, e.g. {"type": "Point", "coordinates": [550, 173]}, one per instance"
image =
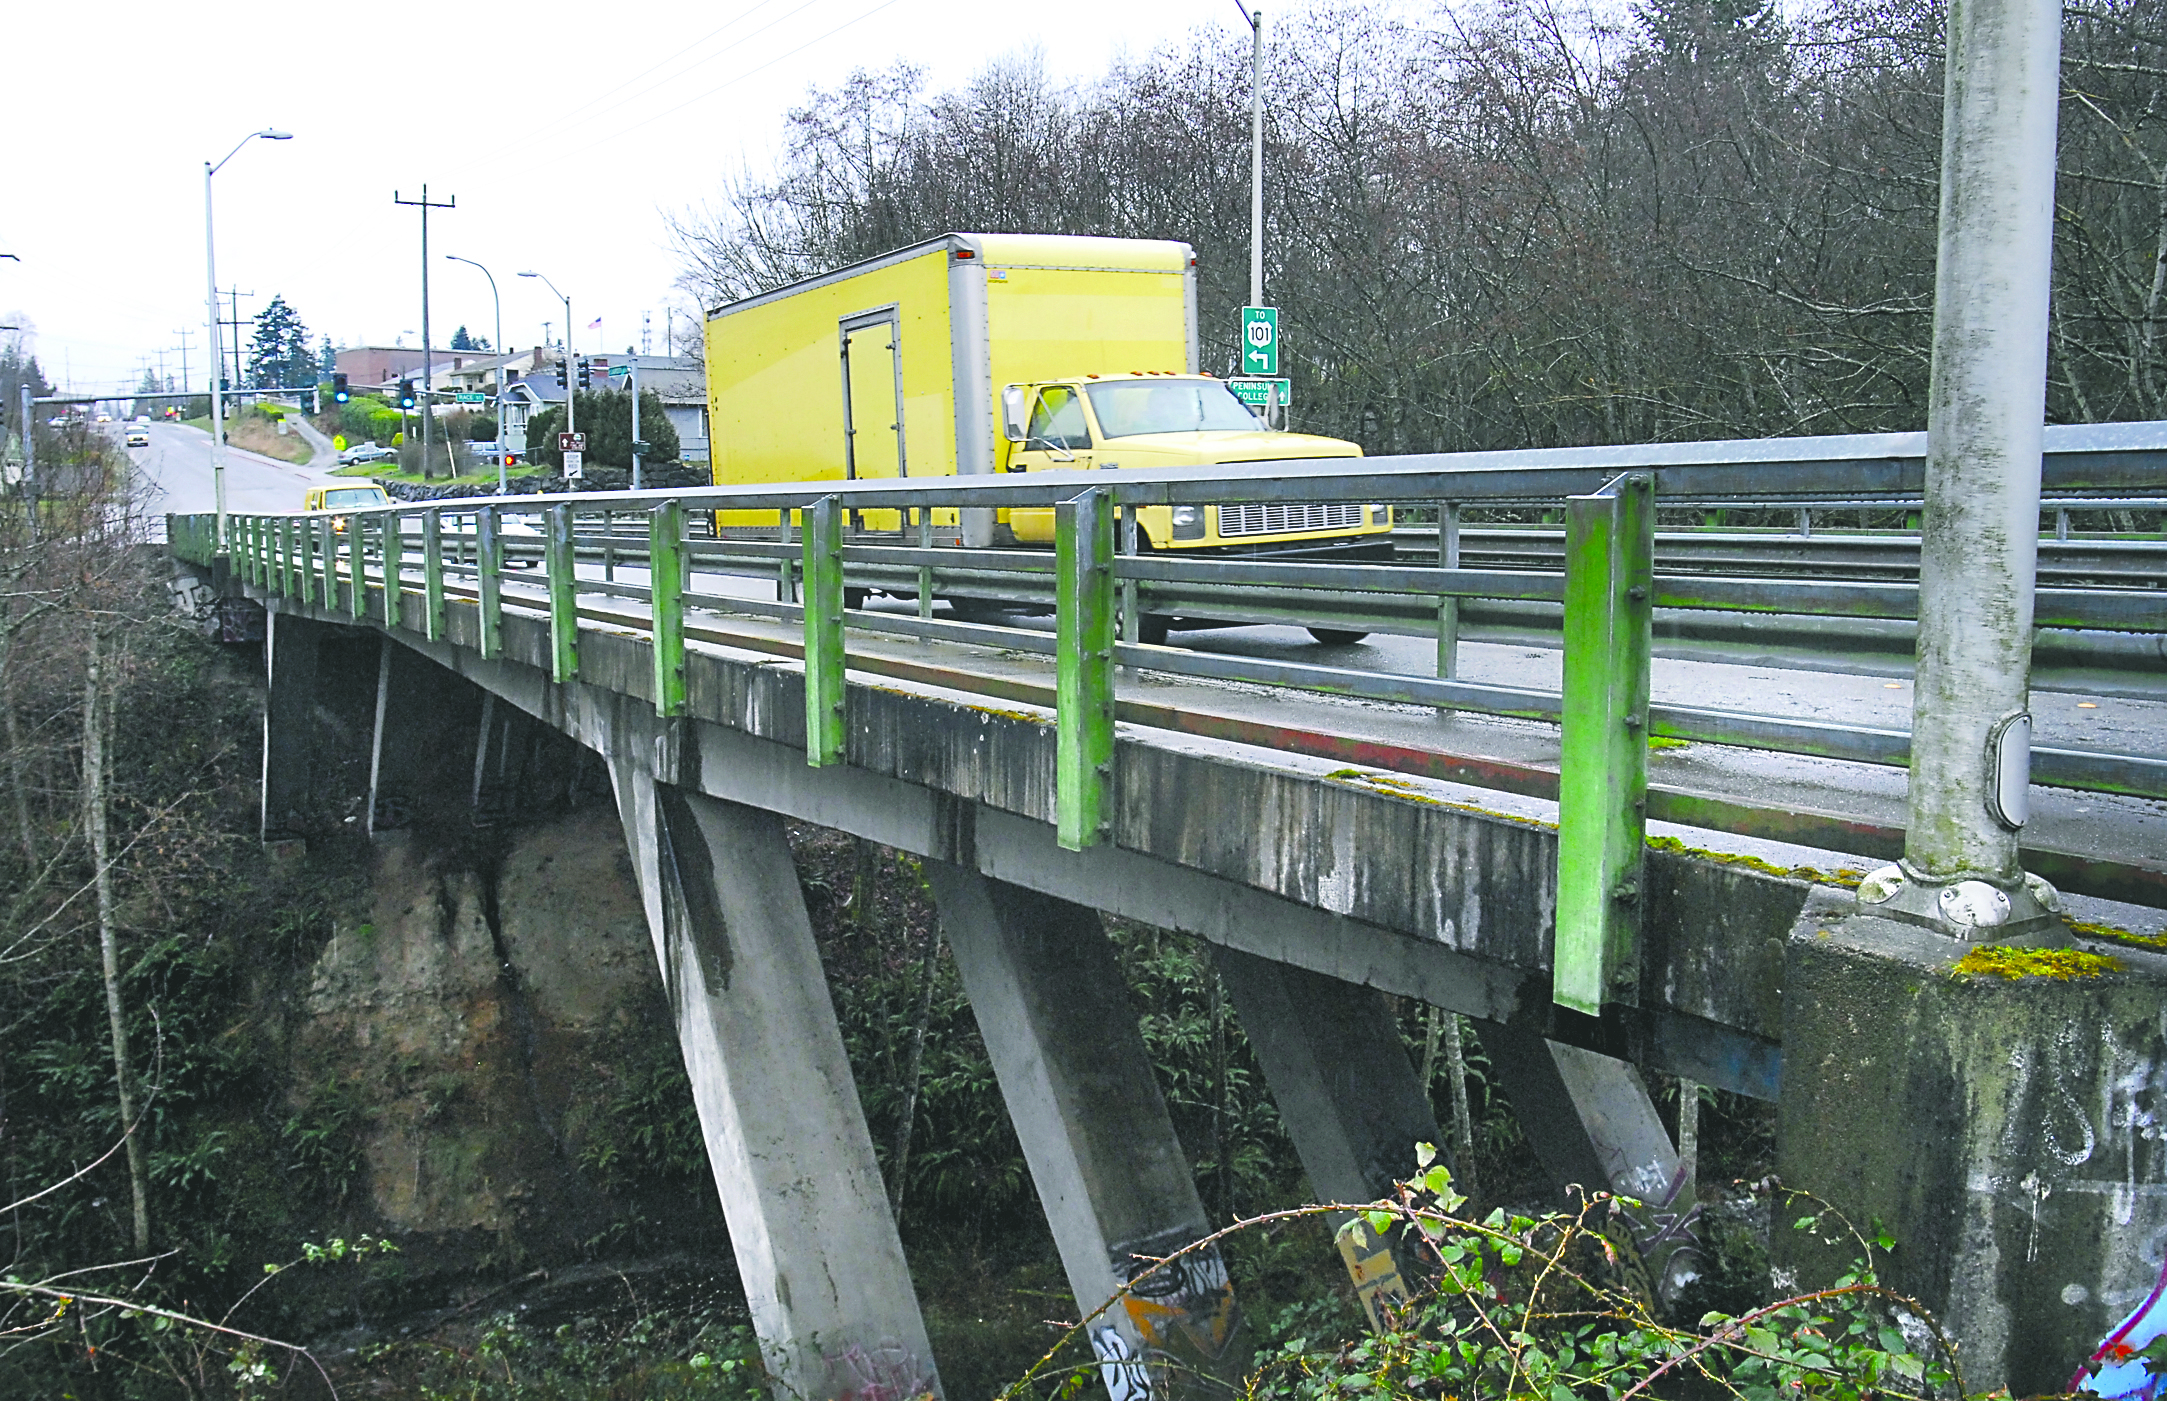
{"type": "Point", "coordinates": [1147, 419]}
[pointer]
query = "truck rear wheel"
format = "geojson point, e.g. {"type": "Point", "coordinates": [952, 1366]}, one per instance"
{"type": "Point", "coordinates": [1336, 637]}
{"type": "Point", "coordinates": [855, 598]}
{"type": "Point", "coordinates": [1152, 628]}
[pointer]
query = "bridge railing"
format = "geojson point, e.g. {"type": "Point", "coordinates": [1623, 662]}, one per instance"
{"type": "Point", "coordinates": [566, 556]}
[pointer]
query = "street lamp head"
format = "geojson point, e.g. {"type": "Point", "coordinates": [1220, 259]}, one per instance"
{"type": "Point", "coordinates": [530, 274]}
{"type": "Point", "coordinates": [272, 133]}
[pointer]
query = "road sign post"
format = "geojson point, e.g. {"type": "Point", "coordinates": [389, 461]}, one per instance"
{"type": "Point", "coordinates": [1260, 341]}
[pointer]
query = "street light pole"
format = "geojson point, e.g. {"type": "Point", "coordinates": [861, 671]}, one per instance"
{"type": "Point", "coordinates": [1255, 16]}
{"type": "Point", "coordinates": [210, 277]}
{"type": "Point", "coordinates": [571, 386]}
{"type": "Point", "coordinates": [503, 484]}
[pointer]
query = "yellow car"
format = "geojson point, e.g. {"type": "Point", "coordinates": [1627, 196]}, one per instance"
{"type": "Point", "coordinates": [343, 499]}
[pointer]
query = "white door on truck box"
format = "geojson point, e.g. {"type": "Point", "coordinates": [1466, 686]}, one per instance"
{"type": "Point", "coordinates": [873, 446]}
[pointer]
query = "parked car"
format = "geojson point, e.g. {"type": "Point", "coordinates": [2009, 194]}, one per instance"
{"type": "Point", "coordinates": [365, 452]}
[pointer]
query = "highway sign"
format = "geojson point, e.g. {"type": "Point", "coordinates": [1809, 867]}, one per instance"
{"type": "Point", "coordinates": [571, 442]}
{"type": "Point", "coordinates": [1260, 340]}
{"type": "Point", "coordinates": [465, 397]}
{"type": "Point", "coordinates": [620, 372]}
{"type": "Point", "coordinates": [1254, 392]}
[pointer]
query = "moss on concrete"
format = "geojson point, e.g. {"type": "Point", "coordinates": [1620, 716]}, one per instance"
{"type": "Point", "coordinates": [2118, 935]}
{"type": "Point", "coordinates": [2001, 961]}
{"type": "Point", "coordinates": [1842, 876]}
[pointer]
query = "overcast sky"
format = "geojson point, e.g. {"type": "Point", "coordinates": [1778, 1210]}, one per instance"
{"type": "Point", "coordinates": [654, 104]}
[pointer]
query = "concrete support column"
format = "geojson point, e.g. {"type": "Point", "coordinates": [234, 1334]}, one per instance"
{"type": "Point", "coordinates": [1339, 1073]}
{"type": "Point", "coordinates": [2006, 1129]}
{"type": "Point", "coordinates": [1979, 537]}
{"type": "Point", "coordinates": [290, 647]}
{"type": "Point", "coordinates": [1591, 1122]}
{"type": "Point", "coordinates": [823, 1269]}
{"type": "Point", "coordinates": [1061, 1031]}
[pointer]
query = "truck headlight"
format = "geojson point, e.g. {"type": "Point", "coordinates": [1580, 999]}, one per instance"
{"type": "Point", "coordinates": [1380, 515]}
{"type": "Point", "coordinates": [1188, 522]}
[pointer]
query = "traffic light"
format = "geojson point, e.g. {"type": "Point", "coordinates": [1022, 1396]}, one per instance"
{"type": "Point", "coordinates": [586, 373]}
{"type": "Point", "coordinates": [338, 388]}
{"type": "Point", "coordinates": [406, 393]}
{"type": "Point", "coordinates": [564, 379]}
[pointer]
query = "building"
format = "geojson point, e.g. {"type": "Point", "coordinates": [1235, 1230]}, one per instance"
{"type": "Point", "coordinates": [680, 381]}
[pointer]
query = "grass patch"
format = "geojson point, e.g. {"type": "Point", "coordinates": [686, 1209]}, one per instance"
{"type": "Point", "coordinates": [249, 432]}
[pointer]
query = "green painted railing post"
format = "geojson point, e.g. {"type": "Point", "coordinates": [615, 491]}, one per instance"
{"type": "Point", "coordinates": [285, 555]}
{"type": "Point", "coordinates": [489, 579]}
{"type": "Point", "coordinates": [666, 599]}
{"type": "Point", "coordinates": [394, 567]}
{"type": "Point", "coordinates": [432, 573]}
{"type": "Point", "coordinates": [786, 583]}
{"type": "Point", "coordinates": [327, 558]}
{"type": "Point", "coordinates": [1084, 613]}
{"type": "Point", "coordinates": [823, 599]}
{"type": "Point", "coordinates": [251, 549]}
{"type": "Point", "coordinates": [357, 598]}
{"type": "Point", "coordinates": [1603, 753]}
{"type": "Point", "coordinates": [304, 552]}
{"type": "Point", "coordinates": [559, 560]}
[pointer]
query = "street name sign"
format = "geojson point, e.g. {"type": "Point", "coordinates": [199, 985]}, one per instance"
{"type": "Point", "coordinates": [469, 397]}
{"type": "Point", "coordinates": [620, 372]}
{"type": "Point", "coordinates": [1260, 340]}
{"type": "Point", "coordinates": [1256, 393]}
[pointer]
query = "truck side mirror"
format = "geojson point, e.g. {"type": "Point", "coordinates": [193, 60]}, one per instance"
{"type": "Point", "coordinates": [1014, 400]}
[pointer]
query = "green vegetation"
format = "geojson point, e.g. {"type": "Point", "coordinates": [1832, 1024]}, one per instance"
{"type": "Point", "coordinates": [605, 416]}
{"type": "Point", "coordinates": [2003, 961]}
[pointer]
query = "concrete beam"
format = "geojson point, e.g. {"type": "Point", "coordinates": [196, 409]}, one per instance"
{"type": "Point", "coordinates": [2006, 1130]}
{"type": "Point", "coordinates": [290, 646]}
{"type": "Point", "coordinates": [1055, 1013]}
{"type": "Point", "coordinates": [823, 1269]}
{"type": "Point", "coordinates": [1339, 1074]}
{"type": "Point", "coordinates": [1592, 1124]}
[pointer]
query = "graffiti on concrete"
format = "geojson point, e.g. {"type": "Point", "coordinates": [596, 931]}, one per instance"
{"type": "Point", "coordinates": [884, 1372]}
{"type": "Point", "coordinates": [1183, 1305]}
{"type": "Point", "coordinates": [1665, 1230]}
{"type": "Point", "coordinates": [1125, 1375]}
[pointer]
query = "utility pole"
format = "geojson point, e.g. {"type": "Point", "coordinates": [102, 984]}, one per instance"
{"type": "Point", "coordinates": [647, 332]}
{"type": "Point", "coordinates": [234, 319]}
{"type": "Point", "coordinates": [428, 366]}
{"type": "Point", "coordinates": [184, 333]}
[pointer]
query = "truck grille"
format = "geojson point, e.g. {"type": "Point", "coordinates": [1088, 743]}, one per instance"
{"type": "Point", "coordinates": [1286, 518]}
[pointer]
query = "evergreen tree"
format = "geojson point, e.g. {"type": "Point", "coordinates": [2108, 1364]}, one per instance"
{"type": "Point", "coordinates": [280, 355]}
{"type": "Point", "coordinates": [16, 370]}
{"type": "Point", "coordinates": [460, 340]}
{"type": "Point", "coordinates": [327, 359]}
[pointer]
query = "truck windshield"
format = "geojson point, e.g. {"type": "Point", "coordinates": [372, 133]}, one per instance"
{"type": "Point", "coordinates": [1129, 407]}
{"type": "Point", "coordinates": [357, 496]}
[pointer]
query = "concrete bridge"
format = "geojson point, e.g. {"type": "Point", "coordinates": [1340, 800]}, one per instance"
{"type": "Point", "coordinates": [1046, 780]}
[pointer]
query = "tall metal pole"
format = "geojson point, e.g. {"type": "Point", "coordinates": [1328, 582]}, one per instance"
{"type": "Point", "coordinates": [1256, 157]}
{"type": "Point", "coordinates": [503, 485]}
{"type": "Point", "coordinates": [218, 364]}
{"type": "Point", "coordinates": [210, 279]}
{"type": "Point", "coordinates": [1979, 541]}
{"type": "Point", "coordinates": [635, 377]}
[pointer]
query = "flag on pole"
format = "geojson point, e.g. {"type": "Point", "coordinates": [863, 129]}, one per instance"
{"type": "Point", "coordinates": [595, 325]}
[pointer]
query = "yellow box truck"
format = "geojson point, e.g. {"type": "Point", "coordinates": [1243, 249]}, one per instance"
{"type": "Point", "coordinates": [982, 353]}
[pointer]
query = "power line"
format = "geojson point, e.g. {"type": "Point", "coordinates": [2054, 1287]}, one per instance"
{"type": "Point", "coordinates": [762, 68]}
{"type": "Point", "coordinates": [741, 15]}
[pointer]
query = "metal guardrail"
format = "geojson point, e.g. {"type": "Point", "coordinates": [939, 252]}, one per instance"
{"type": "Point", "coordinates": [400, 566]}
